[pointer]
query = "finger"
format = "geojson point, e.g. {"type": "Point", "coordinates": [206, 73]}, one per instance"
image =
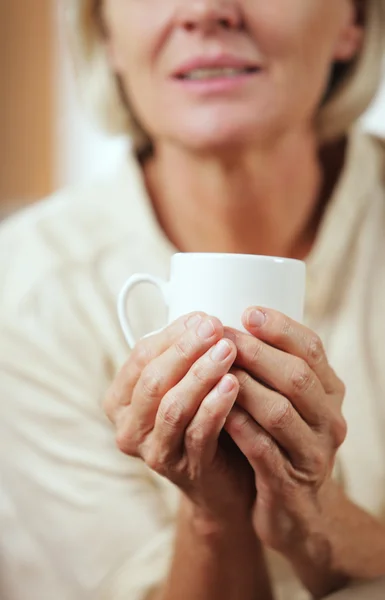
{"type": "Point", "coordinates": [202, 435]}
{"type": "Point", "coordinates": [166, 371]}
{"type": "Point", "coordinates": [280, 331]}
{"type": "Point", "coordinates": [120, 392]}
{"type": "Point", "coordinates": [182, 403]}
{"type": "Point", "coordinates": [136, 419]}
{"type": "Point", "coordinates": [125, 432]}
{"type": "Point", "coordinates": [149, 348]}
{"type": "Point", "coordinates": [288, 375]}
{"type": "Point", "coordinates": [277, 416]}
{"type": "Point", "coordinates": [154, 345]}
{"type": "Point", "coordinates": [144, 352]}
{"type": "Point", "coordinates": [256, 444]}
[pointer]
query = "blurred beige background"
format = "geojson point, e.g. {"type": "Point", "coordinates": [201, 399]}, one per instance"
{"type": "Point", "coordinates": [27, 100]}
{"type": "Point", "coordinates": [46, 141]}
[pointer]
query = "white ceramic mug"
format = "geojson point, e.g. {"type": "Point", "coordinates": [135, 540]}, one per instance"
{"type": "Point", "coordinates": [224, 285]}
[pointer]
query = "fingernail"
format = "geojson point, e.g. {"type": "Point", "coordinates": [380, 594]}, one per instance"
{"type": "Point", "coordinates": [193, 321]}
{"type": "Point", "coordinates": [226, 385]}
{"type": "Point", "coordinates": [206, 329]}
{"type": "Point", "coordinates": [256, 318]}
{"type": "Point", "coordinates": [220, 351]}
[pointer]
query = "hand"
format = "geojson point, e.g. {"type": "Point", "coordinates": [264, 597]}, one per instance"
{"type": "Point", "coordinates": [287, 422]}
{"type": "Point", "coordinates": [169, 405]}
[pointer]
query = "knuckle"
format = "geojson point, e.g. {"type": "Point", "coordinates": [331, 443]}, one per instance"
{"type": "Point", "coordinates": [199, 373]}
{"type": "Point", "coordinates": [340, 430]}
{"type": "Point", "coordinates": [142, 354]}
{"type": "Point", "coordinates": [243, 379]}
{"type": "Point", "coordinates": [125, 442]}
{"type": "Point", "coordinates": [152, 381]}
{"type": "Point", "coordinates": [184, 347]}
{"type": "Point", "coordinates": [285, 328]}
{"type": "Point", "coordinates": [191, 319]}
{"type": "Point", "coordinates": [154, 460]}
{"type": "Point", "coordinates": [281, 415]}
{"type": "Point", "coordinates": [129, 370]}
{"type": "Point", "coordinates": [171, 411]}
{"type": "Point", "coordinates": [281, 329]}
{"type": "Point", "coordinates": [217, 324]}
{"type": "Point", "coordinates": [195, 438]}
{"type": "Point", "coordinates": [317, 461]}
{"type": "Point", "coordinates": [257, 349]}
{"type": "Point", "coordinates": [261, 448]}
{"type": "Point", "coordinates": [210, 413]}
{"type": "Point", "coordinates": [240, 422]}
{"type": "Point", "coordinates": [301, 377]}
{"type": "Point", "coordinates": [315, 350]}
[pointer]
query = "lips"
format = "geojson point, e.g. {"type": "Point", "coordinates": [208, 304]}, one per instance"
{"type": "Point", "coordinates": [216, 73]}
{"type": "Point", "coordinates": [215, 68]}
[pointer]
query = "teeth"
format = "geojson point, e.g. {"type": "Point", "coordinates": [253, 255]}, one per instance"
{"type": "Point", "coordinates": [212, 73]}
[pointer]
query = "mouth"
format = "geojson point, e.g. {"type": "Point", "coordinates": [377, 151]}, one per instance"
{"type": "Point", "coordinates": [213, 73]}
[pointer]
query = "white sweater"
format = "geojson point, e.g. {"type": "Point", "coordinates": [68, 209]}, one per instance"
{"type": "Point", "coordinates": [78, 519]}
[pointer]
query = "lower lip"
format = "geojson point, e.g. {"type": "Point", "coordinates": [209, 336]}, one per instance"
{"type": "Point", "coordinates": [216, 85]}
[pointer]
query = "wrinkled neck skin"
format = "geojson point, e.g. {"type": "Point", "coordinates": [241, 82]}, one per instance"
{"type": "Point", "coordinates": [256, 200]}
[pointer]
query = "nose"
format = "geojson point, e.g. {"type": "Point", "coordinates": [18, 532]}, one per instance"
{"type": "Point", "coordinates": [208, 15]}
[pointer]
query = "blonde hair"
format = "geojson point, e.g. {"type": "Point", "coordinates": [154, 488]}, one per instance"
{"type": "Point", "coordinates": [352, 90]}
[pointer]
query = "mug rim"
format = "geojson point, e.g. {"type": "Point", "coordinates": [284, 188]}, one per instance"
{"type": "Point", "coordinates": [235, 256]}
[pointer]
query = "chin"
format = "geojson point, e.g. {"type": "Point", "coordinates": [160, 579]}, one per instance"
{"type": "Point", "coordinates": [218, 139]}
{"type": "Point", "coordinates": [222, 133]}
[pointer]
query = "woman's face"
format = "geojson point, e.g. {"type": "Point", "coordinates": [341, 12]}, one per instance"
{"type": "Point", "coordinates": [208, 73]}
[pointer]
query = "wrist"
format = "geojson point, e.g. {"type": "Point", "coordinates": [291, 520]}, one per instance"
{"type": "Point", "coordinates": [208, 524]}
{"type": "Point", "coordinates": [312, 550]}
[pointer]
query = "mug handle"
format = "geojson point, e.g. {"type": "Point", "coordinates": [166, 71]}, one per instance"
{"type": "Point", "coordinates": [130, 284]}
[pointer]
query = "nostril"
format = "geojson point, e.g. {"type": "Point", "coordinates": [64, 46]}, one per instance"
{"type": "Point", "coordinates": [199, 16]}
{"type": "Point", "coordinates": [225, 23]}
{"type": "Point", "coordinates": [229, 23]}
{"type": "Point", "coordinates": [189, 26]}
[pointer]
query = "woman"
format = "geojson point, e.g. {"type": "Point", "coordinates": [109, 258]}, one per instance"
{"type": "Point", "coordinates": [242, 116]}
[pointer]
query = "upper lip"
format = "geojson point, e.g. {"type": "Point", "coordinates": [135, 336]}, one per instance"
{"type": "Point", "coordinates": [217, 62]}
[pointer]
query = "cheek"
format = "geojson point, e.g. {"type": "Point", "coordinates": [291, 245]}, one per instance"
{"type": "Point", "coordinates": [138, 34]}
{"type": "Point", "coordinates": [298, 32]}
{"type": "Point", "coordinates": [134, 27]}
{"type": "Point", "coordinates": [296, 38]}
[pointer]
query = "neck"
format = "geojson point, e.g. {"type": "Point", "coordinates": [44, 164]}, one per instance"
{"type": "Point", "coordinates": [263, 201]}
